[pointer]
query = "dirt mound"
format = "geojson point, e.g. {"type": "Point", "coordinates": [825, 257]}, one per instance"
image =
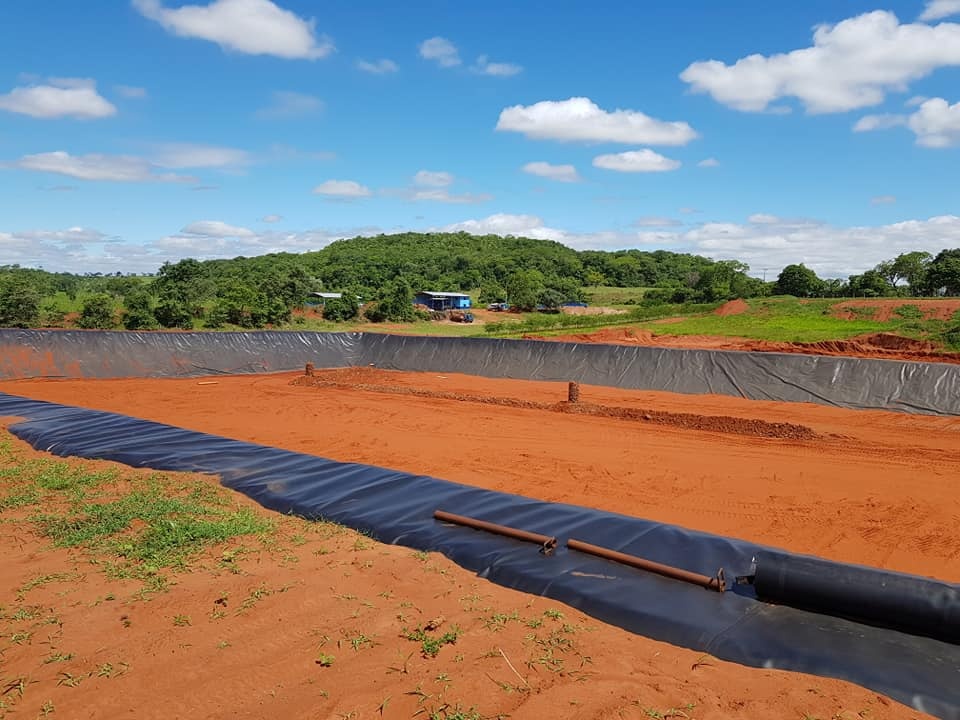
{"type": "Point", "coordinates": [615, 336]}
{"type": "Point", "coordinates": [885, 309]}
{"type": "Point", "coordinates": [734, 307]}
{"type": "Point", "coordinates": [350, 379]}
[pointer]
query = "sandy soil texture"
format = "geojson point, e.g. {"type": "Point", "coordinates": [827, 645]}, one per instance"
{"type": "Point", "coordinates": [312, 621]}
{"type": "Point", "coordinates": [872, 487]}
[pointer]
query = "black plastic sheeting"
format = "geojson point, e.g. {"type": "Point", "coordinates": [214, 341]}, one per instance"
{"type": "Point", "coordinates": [397, 507]}
{"type": "Point", "coordinates": [903, 602]}
{"type": "Point", "coordinates": [928, 388]}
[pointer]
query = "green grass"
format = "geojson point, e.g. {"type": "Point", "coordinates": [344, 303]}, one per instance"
{"type": "Point", "coordinates": [790, 320]}
{"type": "Point", "coordinates": [613, 296]}
{"type": "Point", "coordinates": [133, 525]}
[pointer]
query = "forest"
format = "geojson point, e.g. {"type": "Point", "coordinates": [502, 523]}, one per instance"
{"type": "Point", "coordinates": [378, 276]}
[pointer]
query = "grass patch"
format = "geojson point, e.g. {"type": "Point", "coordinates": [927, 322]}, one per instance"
{"type": "Point", "coordinates": [133, 525]}
{"type": "Point", "coordinates": [552, 322]}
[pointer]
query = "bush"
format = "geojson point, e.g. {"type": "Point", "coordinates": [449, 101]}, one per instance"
{"type": "Point", "coordinates": [342, 309]}
{"type": "Point", "coordinates": [19, 302]}
{"type": "Point", "coordinates": [909, 312]}
{"type": "Point", "coordinates": [138, 312]}
{"type": "Point", "coordinates": [97, 313]}
{"type": "Point", "coordinates": [171, 313]}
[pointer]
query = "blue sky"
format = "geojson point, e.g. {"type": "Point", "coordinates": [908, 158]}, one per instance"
{"type": "Point", "coordinates": [137, 132]}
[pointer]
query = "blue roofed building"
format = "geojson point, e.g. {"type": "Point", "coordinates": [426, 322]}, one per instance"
{"type": "Point", "coordinates": [443, 300]}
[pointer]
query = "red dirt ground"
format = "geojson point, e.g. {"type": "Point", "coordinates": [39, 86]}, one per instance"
{"type": "Point", "coordinates": [884, 308]}
{"type": "Point", "coordinates": [238, 635]}
{"type": "Point", "coordinates": [882, 346]}
{"type": "Point", "coordinates": [733, 307]}
{"type": "Point", "coordinates": [876, 488]}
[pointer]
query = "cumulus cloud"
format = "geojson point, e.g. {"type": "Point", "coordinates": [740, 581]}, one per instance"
{"type": "Point", "coordinates": [271, 218]}
{"type": "Point", "coordinates": [560, 173]}
{"type": "Point", "coordinates": [254, 27]}
{"type": "Point", "coordinates": [113, 168]}
{"type": "Point", "coordinates": [763, 219]}
{"type": "Point", "coordinates": [286, 104]}
{"type": "Point", "coordinates": [378, 67]}
{"type": "Point", "coordinates": [216, 228]}
{"type": "Point", "coordinates": [830, 251]}
{"type": "Point", "coordinates": [445, 196]}
{"type": "Point", "coordinates": [429, 178]}
{"type": "Point", "coordinates": [190, 155]}
{"type": "Point", "coordinates": [936, 123]}
{"type": "Point", "coordinates": [852, 64]}
{"type": "Point", "coordinates": [580, 119]}
{"type": "Point", "coordinates": [656, 221]}
{"type": "Point", "coordinates": [643, 161]}
{"type": "Point", "coordinates": [939, 9]}
{"type": "Point", "coordinates": [883, 200]}
{"type": "Point", "coordinates": [497, 69]}
{"type": "Point", "coordinates": [60, 97]}
{"type": "Point", "coordinates": [130, 91]}
{"type": "Point", "coordinates": [441, 51]}
{"type": "Point", "coordinates": [709, 162]}
{"type": "Point", "coordinates": [342, 189]}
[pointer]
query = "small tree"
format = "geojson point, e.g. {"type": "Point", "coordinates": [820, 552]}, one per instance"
{"type": "Point", "coordinates": [396, 305]}
{"type": "Point", "coordinates": [524, 288]}
{"type": "Point", "coordinates": [341, 309]}
{"type": "Point", "coordinates": [138, 311]}
{"type": "Point", "coordinates": [19, 302]}
{"type": "Point", "coordinates": [97, 313]}
{"type": "Point", "coordinates": [798, 280]}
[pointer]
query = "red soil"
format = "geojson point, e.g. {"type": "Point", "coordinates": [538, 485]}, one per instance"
{"type": "Point", "coordinates": [884, 309]}
{"type": "Point", "coordinates": [875, 488]}
{"type": "Point", "coordinates": [883, 346]}
{"type": "Point", "coordinates": [733, 307]}
{"type": "Point", "coordinates": [238, 635]}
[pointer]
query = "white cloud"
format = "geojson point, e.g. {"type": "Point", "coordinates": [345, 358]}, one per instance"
{"type": "Point", "coordinates": [656, 221]}
{"type": "Point", "coordinates": [560, 173]}
{"type": "Point", "coordinates": [271, 218]}
{"type": "Point", "coordinates": [939, 9]}
{"type": "Point", "coordinates": [850, 65]}
{"type": "Point", "coordinates": [879, 122]}
{"type": "Point", "coordinates": [62, 97]}
{"type": "Point", "coordinates": [216, 228]}
{"type": "Point", "coordinates": [286, 104]}
{"type": "Point", "coordinates": [830, 251]}
{"type": "Point", "coordinates": [379, 67]}
{"type": "Point", "coordinates": [497, 69]}
{"type": "Point", "coordinates": [445, 196]}
{"type": "Point", "coordinates": [580, 119]}
{"type": "Point", "coordinates": [255, 27]}
{"type": "Point", "coordinates": [428, 178]}
{"type": "Point", "coordinates": [709, 162]}
{"type": "Point", "coordinates": [114, 168]}
{"type": "Point", "coordinates": [441, 51]}
{"type": "Point", "coordinates": [344, 189]}
{"type": "Point", "coordinates": [883, 200]}
{"type": "Point", "coordinates": [936, 123]}
{"type": "Point", "coordinates": [130, 91]}
{"type": "Point", "coordinates": [644, 161]}
{"type": "Point", "coordinates": [763, 219]}
{"type": "Point", "coordinates": [190, 155]}
{"type": "Point", "coordinates": [916, 100]}
{"type": "Point", "coordinates": [506, 224]}
{"type": "Point", "coordinates": [689, 210]}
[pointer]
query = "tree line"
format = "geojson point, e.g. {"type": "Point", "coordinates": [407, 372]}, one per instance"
{"type": "Point", "coordinates": [385, 270]}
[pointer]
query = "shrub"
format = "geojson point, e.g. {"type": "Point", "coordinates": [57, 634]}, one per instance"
{"type": "Point", "coordinates": [97, 313]}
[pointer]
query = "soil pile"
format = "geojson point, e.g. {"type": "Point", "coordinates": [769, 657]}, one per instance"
{"type": "Point", "coordinates": [733, 307]}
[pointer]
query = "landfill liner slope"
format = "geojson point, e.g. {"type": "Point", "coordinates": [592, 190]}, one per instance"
{"type": "Point", "coordinates": [397, 507]}
{"type": "Point", "coordinates": [912, 387]}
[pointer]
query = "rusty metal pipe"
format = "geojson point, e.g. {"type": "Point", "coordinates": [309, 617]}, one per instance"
{"type": "Point", "coordinates": [546, 542]}
{"type": "Point", "coordinates": [717, 583]}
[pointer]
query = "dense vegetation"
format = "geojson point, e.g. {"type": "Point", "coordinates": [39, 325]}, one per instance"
{"type": "Point", "coordinates": [385, 271]}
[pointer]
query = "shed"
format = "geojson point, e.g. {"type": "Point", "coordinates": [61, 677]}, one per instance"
{"type": "Point", "coordinates": [320, 298]}
{"type": "Point", "coordinates": [443, 300]}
